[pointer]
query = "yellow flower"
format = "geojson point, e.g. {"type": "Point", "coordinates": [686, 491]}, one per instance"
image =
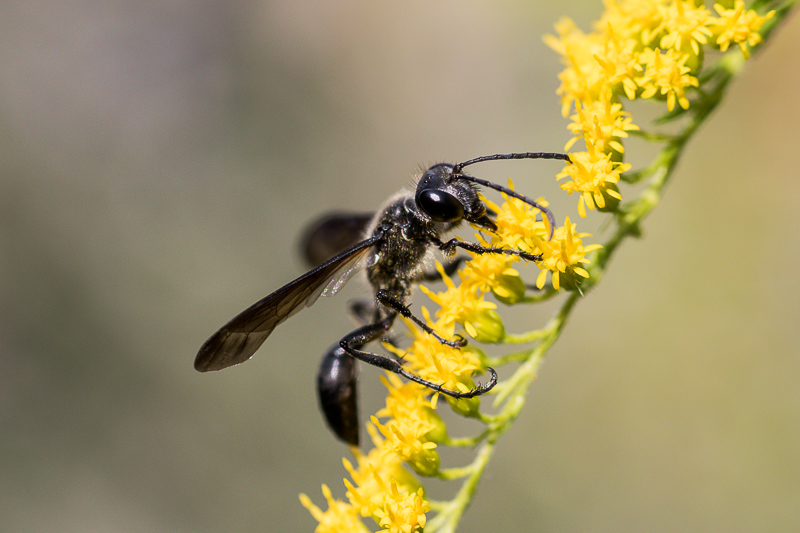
{"type": "Point", "coordinates": [602, 124]}
{"type": "Point", "coordinates": [413, 427]}
{"type": "Point", "coordinates": [488, 272]}
{"type": "Point", "coordinates": [563, 255]}
{"type": "Point", "coordinates": [410, 400]}
{"type": "Point", "coordinates": [406, 437]}
{"type": "Point", "coordinates": [666, 74]}
{"type": "Point", "coordinates": [403, 512]}
{"type": "Point", "coordinates": [517, 224]}
{"type": "Point", "coordinates": [737, 26]}
{"type": "Point", "coordinates": [592, 174]}
{"type": "Point", "coordinates": [685, 26]}
{"type": "Point", "coordinates": [433, 361]}
{"type": "Point", "coordinates": [405, 400]}
{"type": "Point", "coordinates": [582, 79]}
{"type": "Point", "coordinates": [458, 304]}
{"type": "Point", "coordinates": [339, 517]}
{"type": "Point", "coordinates": [633, 19]}
{"type": "Point", "coordinates": [368, 489]}
{"type": "Point", "coordinates": [620, 62]}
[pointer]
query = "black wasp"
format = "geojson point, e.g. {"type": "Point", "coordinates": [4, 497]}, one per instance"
{"type": "Point", "coordinates": [394, 249]}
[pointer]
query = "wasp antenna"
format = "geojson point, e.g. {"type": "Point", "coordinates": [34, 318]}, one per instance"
{"type": "Point", "coordinates": [520, 155]}
{"type": "Point", "coordinates": [516, 195]}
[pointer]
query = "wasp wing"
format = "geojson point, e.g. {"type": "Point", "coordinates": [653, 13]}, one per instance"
{"type": "Point", "coordinates": [333, 233]}
{"type": "Point", "coordinates": [238, 340]}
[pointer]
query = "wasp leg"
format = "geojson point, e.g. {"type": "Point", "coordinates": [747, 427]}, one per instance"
{"type": "Point", "coordinates": [477, 391]}
{"type": "Point", "coordinates": [399, 307]}
{"type": "Point", "coordinates": [353, 342]}
{"type": "Point", "coordinates": [449, 246]}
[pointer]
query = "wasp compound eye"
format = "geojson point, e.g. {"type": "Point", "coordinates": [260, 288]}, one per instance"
{"type": "Point", "coordinates": [440, 206]}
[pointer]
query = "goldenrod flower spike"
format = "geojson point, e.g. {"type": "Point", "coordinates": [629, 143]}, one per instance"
{"type": "Point", "coordinates": [647, 49]}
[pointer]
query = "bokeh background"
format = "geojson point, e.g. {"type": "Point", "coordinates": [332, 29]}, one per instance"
{"type": "Point", "coordinates": [159, 161]}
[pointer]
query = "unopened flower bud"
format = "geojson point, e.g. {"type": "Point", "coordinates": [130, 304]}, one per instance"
{"type": "Point", "coordinates": [485, 326]}
{"type": "Point", "coordinates": [439, 432]}
{"type": "Point", "coordinates": [425, 462]}
{"type": "Point", "coordinates": [510, 290]}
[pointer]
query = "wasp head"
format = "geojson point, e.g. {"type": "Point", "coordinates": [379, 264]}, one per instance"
{"type": "Point", "coordinates": [445, 197]}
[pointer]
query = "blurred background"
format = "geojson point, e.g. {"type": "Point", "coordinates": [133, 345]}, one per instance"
{"type": "Point", "coordinates": [159, 162]}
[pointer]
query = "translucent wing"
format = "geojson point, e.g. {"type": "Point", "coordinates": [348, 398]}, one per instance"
{"type": "Point", "coordinates": [238, 340]}
{"type": "Point", "coordinates": [333, 233]}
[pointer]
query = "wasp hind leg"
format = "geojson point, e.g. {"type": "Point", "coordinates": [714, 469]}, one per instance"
{"type": "Point", "coordinates": [353, 343]}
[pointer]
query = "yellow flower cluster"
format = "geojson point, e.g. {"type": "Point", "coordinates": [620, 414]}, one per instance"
{"type": "Point", "coordinates": [738, 26]}
{"type": "Point", "coordinates": [380, 488]}
{"type": "Point", "coordinates": [638, 49]}
{"type": "Point", "coordinates": [413, 427]}
{"type": "Point", "coordinates": [562, 255]}
{"type": "Point", "coordinates": [339, 517]}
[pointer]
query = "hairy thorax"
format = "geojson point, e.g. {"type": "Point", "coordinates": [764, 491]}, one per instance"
{"type": "Point", "coordinates": [405, 252]}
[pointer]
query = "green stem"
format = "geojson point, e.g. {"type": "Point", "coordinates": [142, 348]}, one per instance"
{"type": "Point", "coordinates": [451, 512]}
{"type": "Point", "coordinates": [525, 338]}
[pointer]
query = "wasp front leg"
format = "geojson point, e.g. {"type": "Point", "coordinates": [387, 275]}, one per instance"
{"type": "Point", "coordinates": [449, 246]}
